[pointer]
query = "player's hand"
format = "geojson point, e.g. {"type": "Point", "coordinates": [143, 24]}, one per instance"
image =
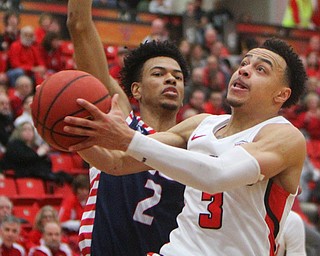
{"type": "Point", "coordinates": [106, 130]}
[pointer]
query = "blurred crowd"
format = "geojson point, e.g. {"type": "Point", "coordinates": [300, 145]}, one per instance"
{"type": "Point", "coordinates": [28, 55]}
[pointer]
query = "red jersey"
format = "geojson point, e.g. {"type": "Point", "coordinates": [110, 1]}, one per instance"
{"type": "Point", "coordinates": [15, 250]}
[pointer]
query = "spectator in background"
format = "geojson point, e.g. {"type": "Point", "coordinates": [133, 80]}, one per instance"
{"type": "Point", "coordinates": [5, 207]}
{"type": "Point", "coordinates": [29, 160]}
{"type": "Point", "coordinates": [25, 157]}
{"type": "Point", "coordinates": [196, 102]}
{"type": "Point", "coordinates": [73, 205]}
{"type": "Point", "coordinates": [52, 52]}
{"type": "Point", "coordinates": [190, 23]}
{"type": "Point", "coordinates": [26, 113]}
{"type": "Point", "coordinates": [23, 87]}
{"type": "Point", "coordinates": [196, 82]}
{"type": "Point", "coordinates": [210, 37]}
{"type": "Point", "coordinates": [6, 122]}
{"type": "Point", "coordinates": [9, 235]}
{"type": "Point", "coordinates": [214, 105]}
{"type": "Point", "coordinates": [219, 17]}
{"type": "Point", "coordinates": [158, 32]}
{"type": "Point", "coordinates": [25, 58]}
{"type": "Point", "coordinates": [11, 22]}
{"type": "Point", "coordinates": [118, 62]}
{"type": "Point", "coordinates": [27, 117]}
{"type": "Point", "coordinates": [52, 244]}
{"type": "Point", "coordinates": [185, 49]}
{"type": "Point", "coordinates": [313, 64]}
{"type": "Point", "coordinates": [160, 6]}
{"type": "Point", "coordinates": [197, 57]}
{"type": "Point", "coordinates": [46, 214]}
{"type": "Point", "coordinates": [309, 120]}
{"type": "Point", "coordinates": [298, 14]}
{"type": "Point", "coordinates": [44, 23]}
{"type": "Point", "coordinates": [213, 77]}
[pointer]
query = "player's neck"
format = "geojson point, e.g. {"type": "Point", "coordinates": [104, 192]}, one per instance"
{"type": "Point", "coordinates": [159, 120]}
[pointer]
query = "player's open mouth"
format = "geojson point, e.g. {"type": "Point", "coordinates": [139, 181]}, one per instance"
{"type": "Point", "coordinates": [170, 91]}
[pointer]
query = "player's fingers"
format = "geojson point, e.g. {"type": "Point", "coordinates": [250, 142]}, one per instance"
{"type": "Point", "coordinates": [77, 121]}
{"type": "Point", "coordinates": [81, 131]}
{"type": "Point", "coordinates": [91, 108]}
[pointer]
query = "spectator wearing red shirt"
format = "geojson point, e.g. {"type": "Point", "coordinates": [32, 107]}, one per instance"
{"type": "Point", "coordinates": [25, 58]}
{"type": "Point", "coordinates": [310, 120]}
{"type": "Point", "coordinates": [51, 242]}
{"type": "Point", "coordinates": [52, 52]}
{"type": "Point", "coordinates": [214, 105]}
{"type": "Point", "coordinates": [72, 206]}
{"type": "Point", "coordinates": [23, 87]}
{"type": "Point", "coordinates": [46, 214]}
{"type": "Point", "coordinates": [313, 64]}
{"type": "Point", "coordinates": [9, 233]}
{"type": "Point", "coordinates": [45, 21]}
{"type": "Point", "coordinates": [196, 102]}
{"type": "Point", "coordinates": [119, 62]}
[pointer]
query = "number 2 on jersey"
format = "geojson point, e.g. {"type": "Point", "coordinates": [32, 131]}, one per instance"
{"type": "Point", "coordinates": [213, 219]}
{"type": "Point", "coordinates": [148, 203]}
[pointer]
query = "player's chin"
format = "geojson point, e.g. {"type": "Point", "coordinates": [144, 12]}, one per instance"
{"type": "Point", "coordinates": [171, 105]}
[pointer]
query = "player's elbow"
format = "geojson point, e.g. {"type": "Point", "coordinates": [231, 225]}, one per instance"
{"type": "Point", "coordinates": [76, 24]}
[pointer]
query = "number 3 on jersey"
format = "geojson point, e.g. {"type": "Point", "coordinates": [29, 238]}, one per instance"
{"type": "Point", "coordinates": [148, 203]}
{"type": "Point", "coordinates": [213, 219]}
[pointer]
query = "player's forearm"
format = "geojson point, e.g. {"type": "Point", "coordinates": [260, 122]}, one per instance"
{"type": "Point", "coordinates": [89, 50]}
{"type": "Point", "coordinates": [112, 161]}
{"type": "Point", "coordinates": [207, 173]}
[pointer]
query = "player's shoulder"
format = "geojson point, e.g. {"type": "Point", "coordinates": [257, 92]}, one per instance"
{"type": "Point", "coordinates": [283, 130]}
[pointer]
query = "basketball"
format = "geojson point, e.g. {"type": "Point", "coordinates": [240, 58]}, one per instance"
{"type": "Point", "coordinates": [55, 98]}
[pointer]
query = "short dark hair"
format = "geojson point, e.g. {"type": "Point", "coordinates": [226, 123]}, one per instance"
{"type": "Point", "coordinates": [295, 72]}
{"type": "Point", "coordinates": [135, 59]}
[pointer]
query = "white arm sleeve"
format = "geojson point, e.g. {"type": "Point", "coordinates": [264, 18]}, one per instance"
{"type": "Point", "coordinates": [232, 169]}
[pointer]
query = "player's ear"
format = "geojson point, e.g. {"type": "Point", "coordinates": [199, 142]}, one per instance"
{"type": "Point", "coordinates": [282, 95]}
{"type": "Point", "coordinates": [136, 90]}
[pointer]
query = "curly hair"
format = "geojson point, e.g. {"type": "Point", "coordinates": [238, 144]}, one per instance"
{"type": "Point", "coordinates": [295, 72]}
{"type": "Point", "coordinates": [135, 59]}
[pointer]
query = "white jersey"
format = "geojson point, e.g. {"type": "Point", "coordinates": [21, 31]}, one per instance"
{"type": "Point", "coordinates": [293, 238]}
{"type": "Point", "coordinates": [243, 221]}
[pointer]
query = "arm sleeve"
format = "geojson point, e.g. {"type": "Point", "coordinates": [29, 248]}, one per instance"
{"type": "Point", "coordinates": [234, 168]}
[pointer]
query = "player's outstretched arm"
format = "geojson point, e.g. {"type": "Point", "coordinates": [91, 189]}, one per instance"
{"type": "Point", "coordinates": [277, 152]}
{"type": "Point", "coordinates": [89, 53]}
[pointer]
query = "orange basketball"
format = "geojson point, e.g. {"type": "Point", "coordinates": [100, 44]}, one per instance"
{"type": "Point", "coordinates": [56, 98]}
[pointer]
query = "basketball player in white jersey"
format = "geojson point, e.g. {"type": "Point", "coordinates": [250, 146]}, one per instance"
{"type": "Point", "coordinates": [241, 171]}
